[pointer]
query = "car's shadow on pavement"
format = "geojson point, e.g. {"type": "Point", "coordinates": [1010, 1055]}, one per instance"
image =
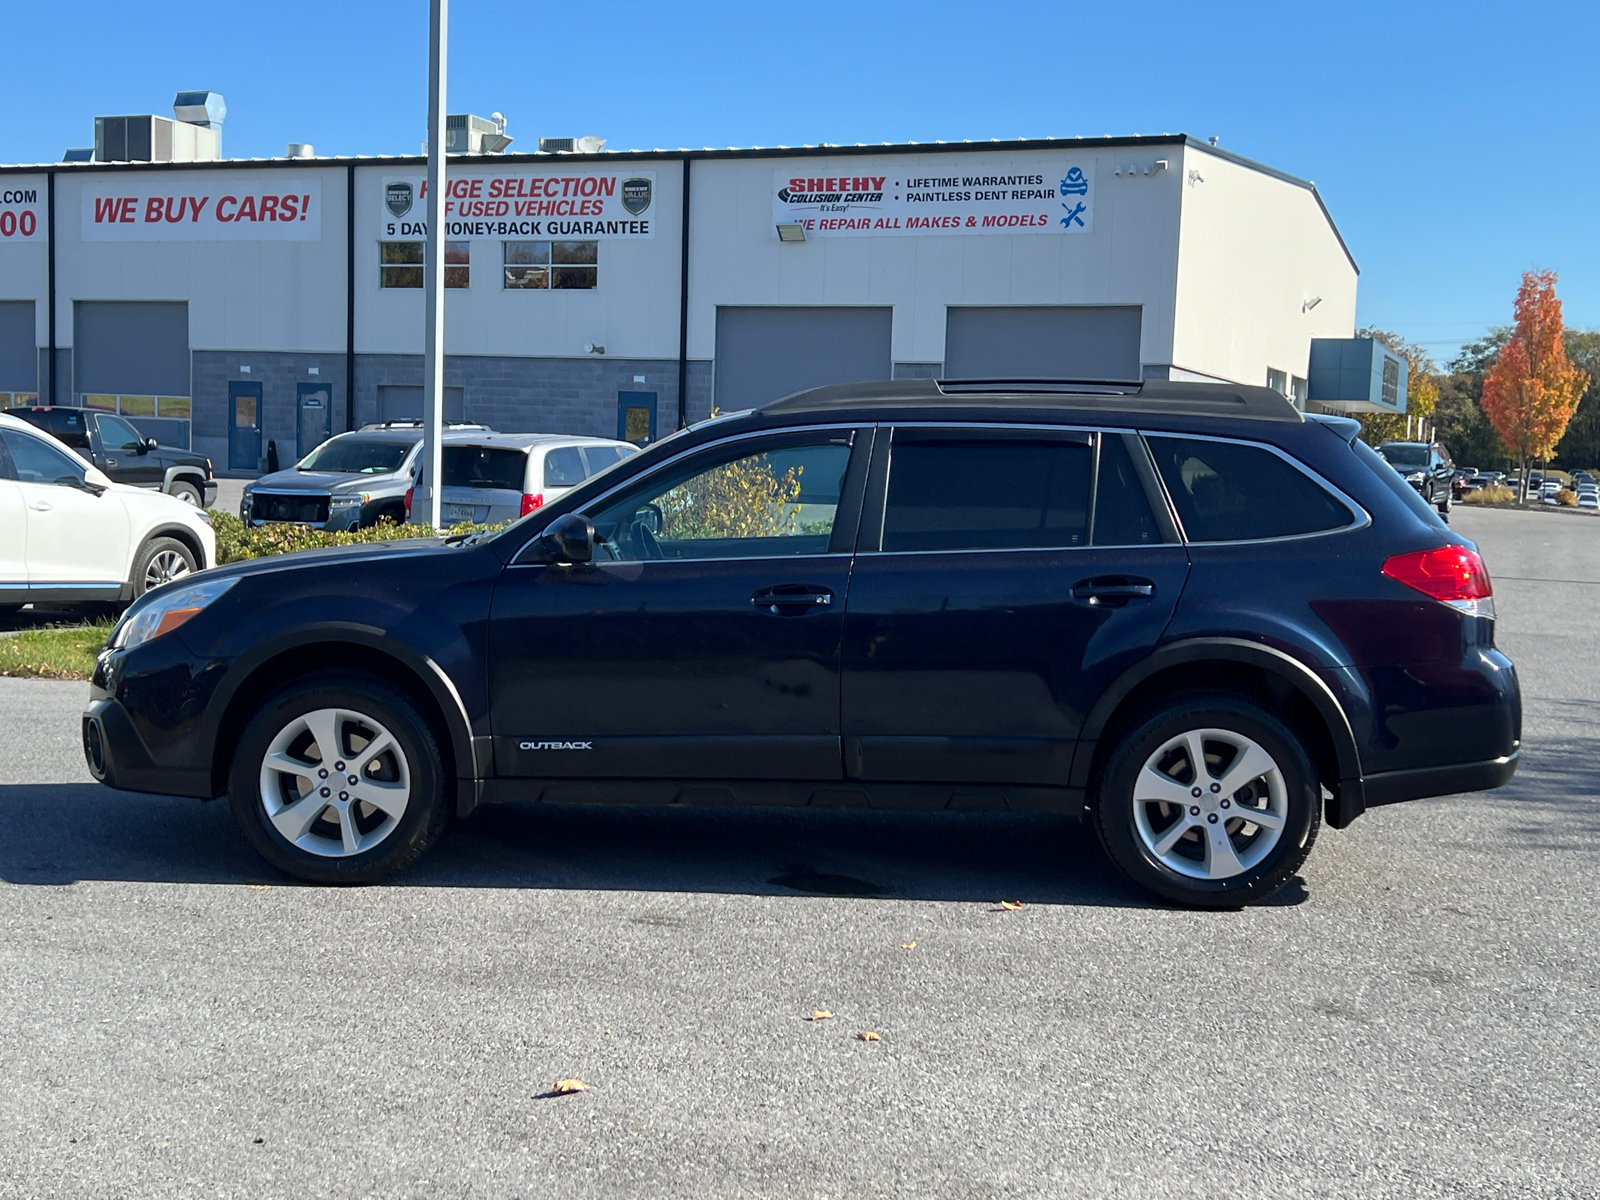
{"type": "Point", "coordinates": [57, 834]}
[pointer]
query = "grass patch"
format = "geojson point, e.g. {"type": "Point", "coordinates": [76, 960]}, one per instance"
{"type": "Point", "coordinates": [1490, 495]}
{"type": "Point", "coordinates": [53, 652]}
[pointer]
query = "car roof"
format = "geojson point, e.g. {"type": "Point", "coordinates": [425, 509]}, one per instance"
{"type": "Point", "coordinates": [937, 396]}
{"type": "Point", "coordinates": [522, 441]}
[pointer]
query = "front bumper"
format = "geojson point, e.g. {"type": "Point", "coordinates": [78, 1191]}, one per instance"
{"type": "Point", "coordinates": [118, 757]}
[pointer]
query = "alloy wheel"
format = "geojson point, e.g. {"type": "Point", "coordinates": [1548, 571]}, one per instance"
{"type": "Point", "coordinates": [334, 782]}
{"type": "Point", "coordinates": [164, 567]}
{"type": "Point", "coordinates": [1210, 804]}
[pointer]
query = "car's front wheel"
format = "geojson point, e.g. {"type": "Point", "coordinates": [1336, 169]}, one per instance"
{"type": "Point", "coordinates": [339, 779]}
{"type": "Point", "coordinates": [188, 493]}
{"type": "Point", "coordinates": [1209, 800]}
{"type": "Point", "coordinates": [160, 560]}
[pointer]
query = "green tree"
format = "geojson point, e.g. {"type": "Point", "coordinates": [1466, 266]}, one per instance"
{"type": "Point", "coordinates": [1580, 446]}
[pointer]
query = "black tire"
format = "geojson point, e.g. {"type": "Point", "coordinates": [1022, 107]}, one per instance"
{"type": "Point", "coordinates": [151, 565]}
{"type": "Point", "coordinates": [183, 490]}
{"type": "Point", "coordinates": [428, 806]}
{"type": "Point", "coordinates": [1114, 807]}
{"type": "Point", "coordinates": [1444, 505]}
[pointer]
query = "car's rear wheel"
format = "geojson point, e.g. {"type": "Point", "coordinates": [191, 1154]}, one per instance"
{"type": "Point", "coordinates": [1208, 800]}
{"type": "Point", "coordinates": [160, 560]}
{"type": "Point", "coordinates": [188, 493]}
{"type": "Point", "coordinates": [339, 779]}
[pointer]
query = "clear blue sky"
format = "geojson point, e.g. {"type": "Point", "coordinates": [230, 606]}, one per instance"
{"type": "Point", "coordinates": [1453, 142]}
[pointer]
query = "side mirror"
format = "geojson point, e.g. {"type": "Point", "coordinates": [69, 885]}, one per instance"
{"type": "Point", "coordinates": [567, 539]}
{"type": "Point", "coordinates": [147, 445]}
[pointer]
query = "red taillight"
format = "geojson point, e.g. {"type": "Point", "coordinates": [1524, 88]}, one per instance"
{"type": "Point", "coordinates": [531, 501]}
{"type": "Point", "coordinates": [409, 493]}
{"type": "Point", "coordinates": [1448, 573]}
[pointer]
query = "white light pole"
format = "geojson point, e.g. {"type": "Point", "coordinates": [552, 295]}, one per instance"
{"type": "Point", "coordinates": [433, 267]}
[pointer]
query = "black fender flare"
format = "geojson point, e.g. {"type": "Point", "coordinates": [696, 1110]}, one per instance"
{"type": "Point", "coordinates": [428, 672]}
{"type": "Point", "coordinates": [1349, 800]}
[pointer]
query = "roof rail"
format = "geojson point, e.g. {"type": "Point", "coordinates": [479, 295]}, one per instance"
{"type": "Point", "coordinates": [416, 423]}
{"type": "Point", "coordinates": [1077, 387]}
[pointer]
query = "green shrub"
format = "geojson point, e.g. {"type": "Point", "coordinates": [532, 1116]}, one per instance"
{"type": "Point", "coordinates": [237, 542]}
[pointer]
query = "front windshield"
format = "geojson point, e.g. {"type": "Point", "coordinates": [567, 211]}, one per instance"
{"type": "Point", "coordinates": [1405, 454]}
{"type": "Point", "coordinates": [355, 455]}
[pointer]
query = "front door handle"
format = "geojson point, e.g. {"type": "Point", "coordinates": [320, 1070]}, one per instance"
{"type": "Point", "coordinates": [1112, 591]}
{"type": "Point", "coordinates": [792, 599]}
{"type": "Point", "coordinates": [111, 462]}
{"type": "Point", "coordinates": [41, 506]}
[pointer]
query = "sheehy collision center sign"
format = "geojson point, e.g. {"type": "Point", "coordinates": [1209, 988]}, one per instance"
{"type": "Point", "coordinates": [190, 207]}
{"type": "Point", "coordinates": [22, 209]}
{"type": "Point", "coordinates": [942, 194]}
{"type": "Point", "coordinates": [510, 203]}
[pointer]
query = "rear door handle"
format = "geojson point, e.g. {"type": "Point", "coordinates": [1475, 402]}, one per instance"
{"type": "Point", "coordinates": [1112, 591]}
{"type": "Point", "coordinates": [792, 599]}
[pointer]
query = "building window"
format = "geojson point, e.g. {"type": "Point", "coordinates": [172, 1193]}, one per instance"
{"type": "Point", "coordinates": [1391, 383]}
{"type": "Point", "coordinates": [546, 265]}
{"type": "Point", "coordinates": [1278, 381]}
{"type": "Point", "coordinates": [18, 399]}
{"type": "Point", "coordinates": [400, 264]}
{"type": "Point", "coordinates": [1299, 391]}
{"type": "Point", "coordinates": [137, 406]}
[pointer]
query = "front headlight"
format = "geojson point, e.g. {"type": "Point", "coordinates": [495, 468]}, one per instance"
{"type": "Point", "coordinates": [166, 610]}
{"type": "Point", "coordinates": [1414, 477]}
{"type": "Point", "coordinates": [348, 501]}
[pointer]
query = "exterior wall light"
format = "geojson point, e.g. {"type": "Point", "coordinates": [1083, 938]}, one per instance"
{"type": "Point", "coordinates": [592, 348]}
{"type": "Point", "coordinates": [1308, 305]}
{"type": "Point", "coordinates": [791, 234]}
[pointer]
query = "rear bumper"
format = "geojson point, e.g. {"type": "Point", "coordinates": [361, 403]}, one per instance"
{"type": "Point", "coordinates": [1393, 787]}
{"type": "Point", "coordinates": [118, 757]}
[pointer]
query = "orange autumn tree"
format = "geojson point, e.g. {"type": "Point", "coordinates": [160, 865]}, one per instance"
{"type": "Point", "coordinates": [1532, 390]}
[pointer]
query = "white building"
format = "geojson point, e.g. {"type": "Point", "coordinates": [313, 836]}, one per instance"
{"type": "Point", "coordinates": [226, 303]}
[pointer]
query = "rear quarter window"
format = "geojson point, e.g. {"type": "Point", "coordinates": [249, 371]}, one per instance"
{"type": "Point", "coordinates": [1233, 492]}
{"type": "Point", "coordinates": [564, 467]}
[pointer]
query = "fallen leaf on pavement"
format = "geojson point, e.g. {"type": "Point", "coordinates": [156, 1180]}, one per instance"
{"type": "Point", "coordinates": [869, 1036]}
{"type": "Point", "coordinates": [565, 1087]}
{"type": "Point", "coordinates": [821, 1014]}
{"type": "Point", "coordinates": [1010, 905]}
{"type": "Point", "coordinates": [260, 887]}
{"type": "Point", "coordinates": [908, 945]}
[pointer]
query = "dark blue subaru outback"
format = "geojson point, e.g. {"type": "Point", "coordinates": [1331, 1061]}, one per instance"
{"type": "Point", "coordinates": [1184, 612]}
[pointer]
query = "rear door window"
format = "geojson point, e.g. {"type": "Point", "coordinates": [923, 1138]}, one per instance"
{"type": "Point", "coordinates": [1234, 492]}
{"type": "Point", "coordinates": [563, 467]}
{"type": "Point", "coordinates": [1122, 513]}
{"type": "Point", "coordinates": [71, 425]}
{"type": "Point", "coordinates": [986, 493]}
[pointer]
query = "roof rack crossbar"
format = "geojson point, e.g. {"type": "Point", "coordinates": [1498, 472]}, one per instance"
{"type": "Point", "coordinates": [1114, 387]}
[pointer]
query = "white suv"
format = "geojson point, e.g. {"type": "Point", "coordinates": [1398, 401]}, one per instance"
{"type": "Point", "coordinates": [68, 534]}
{"type": "Point", "coordinates": [491, 478]}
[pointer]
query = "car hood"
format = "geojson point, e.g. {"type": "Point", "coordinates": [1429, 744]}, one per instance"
{"type": "Point", "coordinates": [334, 556]}
{"type": "Point", "coordinates": [322, 481]}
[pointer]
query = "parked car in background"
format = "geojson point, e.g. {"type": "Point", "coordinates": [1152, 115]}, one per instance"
{"type": "Point", "coordinates": [1426, 466]}
{"type": "Point", "coordinates": [491, 478]}
{"type": "Point", "coordinates": [1189, 614]}
{"type": "Point", "coordinates": [126, 456]}
{"type": "Point", "coordinates": [70, 535]}
{"type": "Point", "coordinates": [351, 481]}
{"type": "Point", "coordinates": [1589, 499]}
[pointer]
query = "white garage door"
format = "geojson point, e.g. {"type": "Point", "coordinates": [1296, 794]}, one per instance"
{"type": "Point", "coordinates": [767, 352]}
{"type": "Point", "coordinates": [1059, 342]}
{"type": "Point", "coordinates": [131, 347]}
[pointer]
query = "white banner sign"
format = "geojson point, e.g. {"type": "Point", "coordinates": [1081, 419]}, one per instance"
{"type": "Point", "coordinates": [940, 194]}
{"type": "Point", "coordinates": [188, 207]}
{"type": "Point", "coordinates": [513, 203]}
{"type": "Point", "coordinates": [22, 208]}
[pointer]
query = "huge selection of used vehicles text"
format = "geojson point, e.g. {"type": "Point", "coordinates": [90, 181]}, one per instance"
{"type": "Point", "coordinates": [1192, 616]}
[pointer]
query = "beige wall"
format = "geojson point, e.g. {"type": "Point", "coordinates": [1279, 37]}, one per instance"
{"type": "Point", "coordinates": [1252, 250]}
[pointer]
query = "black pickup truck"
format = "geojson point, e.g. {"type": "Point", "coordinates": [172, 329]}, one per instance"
{"type": "Point", "coordinates": [126, 455]}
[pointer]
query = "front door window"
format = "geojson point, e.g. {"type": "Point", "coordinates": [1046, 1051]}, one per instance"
{"type": "Point", "coordinates": [777, 502]}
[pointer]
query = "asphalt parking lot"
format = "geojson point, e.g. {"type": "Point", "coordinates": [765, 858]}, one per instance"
{"type": "Point", "coordinates": [1417, 1016]}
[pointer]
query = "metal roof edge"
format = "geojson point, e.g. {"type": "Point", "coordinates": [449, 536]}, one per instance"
{"type": "Point", "coordinates": [1251, 164]}
{"type": "Point", "coordinates": [535, 158]}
